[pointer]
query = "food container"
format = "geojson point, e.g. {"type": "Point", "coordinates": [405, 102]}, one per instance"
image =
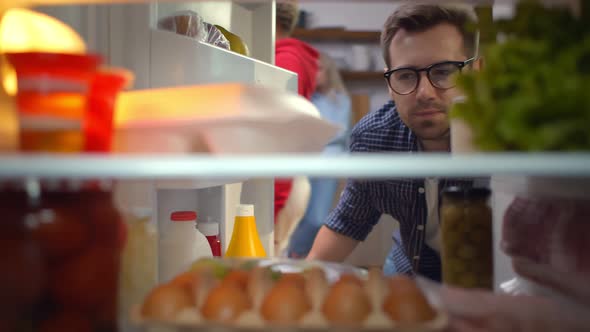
{"type": "Point", "coordinates": [542, 228]}
{"type": "Point", "coordinates": [98, 121]}
{"type": "Point", "coordinates": [189, 23]}
{"type": "Point", "coordinates": [62, 241]}
{"type": "Point", "coordinates": [219, 119]}
{"type": "Point", "coordinates": [65, 102]}
{"type": "Point", "coordinates": [284, 294]}
{"type": "Point", "coordinates": [466, 227]}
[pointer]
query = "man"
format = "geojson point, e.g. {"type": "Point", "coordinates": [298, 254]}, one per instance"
{"type": "Point", "coordinates": [300, 58]}
{"type": "Point", "coordinates": [424, 46]}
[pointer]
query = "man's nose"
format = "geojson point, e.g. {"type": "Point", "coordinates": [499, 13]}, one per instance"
{"type": "Point", "coordinates": [425, 89]}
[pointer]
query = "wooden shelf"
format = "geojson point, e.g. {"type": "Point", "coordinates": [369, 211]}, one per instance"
{"type": "Point", "coordinates": [335, 35]}
{"type": "Point", "coordinates": [361, 75]}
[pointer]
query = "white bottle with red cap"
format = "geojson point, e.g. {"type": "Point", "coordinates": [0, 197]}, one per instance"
{"type": "Point", "coordinates": [180, 243]}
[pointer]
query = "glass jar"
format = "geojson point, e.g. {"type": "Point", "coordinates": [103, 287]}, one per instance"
{"type": "Point", "coordinates": [466, 229]}
{"type": "Point", "coordinates": [69, 235]}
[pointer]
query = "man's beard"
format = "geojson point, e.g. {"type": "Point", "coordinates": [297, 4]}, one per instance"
{"type": "Point", "coordinates": [422, 127]}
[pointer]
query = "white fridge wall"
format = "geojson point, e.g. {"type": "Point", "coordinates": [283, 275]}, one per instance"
{"type": "Point", "coordinates": [214, 12]}
{"type": "Point", "coordinates": [129, 40]}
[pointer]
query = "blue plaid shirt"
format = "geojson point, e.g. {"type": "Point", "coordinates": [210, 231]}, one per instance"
{"type": "Point", "coordinates": [363, 202]}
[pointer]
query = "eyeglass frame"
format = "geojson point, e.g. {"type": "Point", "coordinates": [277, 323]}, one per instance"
{"type": "Point", "coordinates": [459, 64]}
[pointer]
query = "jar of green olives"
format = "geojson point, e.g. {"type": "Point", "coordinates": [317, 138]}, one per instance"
{"type": "Point", "coordinates": [466, 227]}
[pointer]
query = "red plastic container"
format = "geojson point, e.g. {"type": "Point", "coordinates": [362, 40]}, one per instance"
{"type": "Point", "coordinates": [65, 102]}
{"type": "Point", "coordinates": [98, 122]}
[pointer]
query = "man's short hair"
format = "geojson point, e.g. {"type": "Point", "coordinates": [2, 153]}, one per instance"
{"type": "Point", "coordinates": [287, 14]}
{"type": "Point", "coordinates": [421, 17]}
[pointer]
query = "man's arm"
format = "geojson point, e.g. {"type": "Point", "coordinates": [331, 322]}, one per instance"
{"type": "Point", "coordinates": [349, 224]}
{"type": "Point", "coordinates": [353, 218]}
{"type": "Point", "coordinates": [331, 246]}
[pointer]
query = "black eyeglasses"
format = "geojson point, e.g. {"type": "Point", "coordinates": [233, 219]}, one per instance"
{"type": "Point", "coordinates": [404, 81]}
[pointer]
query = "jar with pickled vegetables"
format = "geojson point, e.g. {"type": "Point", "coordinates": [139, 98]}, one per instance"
{"type": "Point", "coordinates": [69, 236]}
{"type": "Point", "coordinates": [466, 229]}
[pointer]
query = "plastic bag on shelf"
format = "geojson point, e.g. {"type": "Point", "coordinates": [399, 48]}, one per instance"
{"type": "Point", "coordinates": [219, 119]}
{"type": "Point", "coordinates": [191, 24]}
{"type": "Point", "coordinates": [545, 232]}
{"type": "Point", "coordinates": [215, 37]}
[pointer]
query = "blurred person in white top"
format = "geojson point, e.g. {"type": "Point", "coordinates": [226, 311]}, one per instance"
{"type": "Point", "coordinates": [333, 102]}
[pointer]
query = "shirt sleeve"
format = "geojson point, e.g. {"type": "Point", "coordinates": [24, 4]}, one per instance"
{"type": "Point", "coordinates": [354, 216]}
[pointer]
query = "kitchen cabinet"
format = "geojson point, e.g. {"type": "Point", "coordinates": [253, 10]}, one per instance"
{"type": "Point", "coordinates": [337, 35]}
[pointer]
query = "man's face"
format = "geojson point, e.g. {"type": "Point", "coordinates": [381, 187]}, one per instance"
{"type": "Point", "coordinates": [425, 110]}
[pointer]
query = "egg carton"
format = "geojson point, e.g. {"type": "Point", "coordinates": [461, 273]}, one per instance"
{"type": "Point", "coordinates": [316, 288]}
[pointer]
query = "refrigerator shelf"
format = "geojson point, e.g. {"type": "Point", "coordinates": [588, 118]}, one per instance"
{"type": "Point", "coordinates": [195, 166]}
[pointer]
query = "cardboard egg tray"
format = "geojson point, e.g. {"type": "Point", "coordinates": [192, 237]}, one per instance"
{"type": "Point", "coordinates": [317, 285]}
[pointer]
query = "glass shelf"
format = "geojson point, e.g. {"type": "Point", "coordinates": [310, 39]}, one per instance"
{"type": "Point", "coordinates": [403, 165]}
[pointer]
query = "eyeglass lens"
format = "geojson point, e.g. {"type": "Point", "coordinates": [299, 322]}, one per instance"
{"type": "Point", "coordinates": [441, 76]}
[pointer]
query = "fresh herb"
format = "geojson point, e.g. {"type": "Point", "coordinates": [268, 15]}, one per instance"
{"type": "Point", "coordinates": [533, 92]}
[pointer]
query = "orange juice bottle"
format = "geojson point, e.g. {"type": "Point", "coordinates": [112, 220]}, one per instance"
{"type": "Point", "coordinates": [245, 241]}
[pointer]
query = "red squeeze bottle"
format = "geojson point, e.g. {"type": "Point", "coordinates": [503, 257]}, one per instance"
{"type": "Point", "coordinates": [211, 231]}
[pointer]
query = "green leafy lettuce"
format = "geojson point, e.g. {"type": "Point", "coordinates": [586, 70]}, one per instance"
{"type": "Point", "coordinates": [533, 92]}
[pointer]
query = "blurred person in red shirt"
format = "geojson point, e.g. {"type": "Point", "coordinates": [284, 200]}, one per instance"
{"type": "Point", "coordinates": [296, 56]}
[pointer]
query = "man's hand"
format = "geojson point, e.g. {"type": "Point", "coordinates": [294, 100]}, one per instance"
{"type": "Point", "coordinates": [331, 246]}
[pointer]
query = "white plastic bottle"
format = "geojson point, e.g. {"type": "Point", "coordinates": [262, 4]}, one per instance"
{"type": "Point", "coordinates": [179, 242]}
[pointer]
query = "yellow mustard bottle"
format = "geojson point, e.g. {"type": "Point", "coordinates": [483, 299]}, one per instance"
{"type": "Point", "coordinates": [245, 241]}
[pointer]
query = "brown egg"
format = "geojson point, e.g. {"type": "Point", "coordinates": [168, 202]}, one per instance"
{"type": "Point", "coordinates": [296, 279]}
{"type": "Point", "coordinates": [225, 303]}
{"type": "Point", "coordinates": [237, 277]}
{"type": "Point", "coordinates": [185, 279]}
{"type": "Point", "coordinates": [286, 302]}
{"type": "Point", "coordinates": [346, 303]}
{"type": "Point", "coordinates": [190, 280]}
{"type": "Point", "coordinates": [405, 303]}
{"type": "Point", "coordinates": [166, 301]}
